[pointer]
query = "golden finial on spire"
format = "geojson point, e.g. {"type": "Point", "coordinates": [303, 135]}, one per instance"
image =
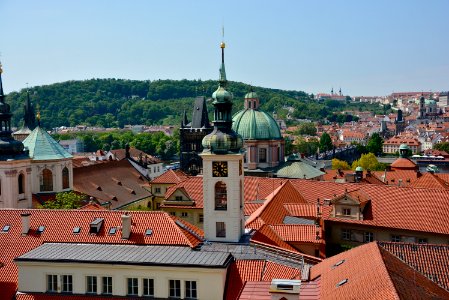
{"type": "Point", "coordinates": [1, 70]}
{"type": "Point", "coordinates": [222, 45]}
{"type": "Point", "coordinates": [38, 115]}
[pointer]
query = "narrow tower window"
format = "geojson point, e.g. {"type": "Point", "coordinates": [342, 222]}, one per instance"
{"type": "Point", "coordinates": [65, 178]}
{"type": "Point", "coordinates": [46, 180]}
{"type": "Point", "coordinates": [221, 200]}
{"type": "Point", "coordinates": [20, 181]}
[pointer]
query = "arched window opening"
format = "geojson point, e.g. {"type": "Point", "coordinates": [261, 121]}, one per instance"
{"type": "Point", "coordinates": [221, 197]}
{"type": "Point", "coordinates": [65, 178]}
{"type": "Point", "coordinates": [20, 182]}
{"type": "Point", "coordinates": [46, 180]}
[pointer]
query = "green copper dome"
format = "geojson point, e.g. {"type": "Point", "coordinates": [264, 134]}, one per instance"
{"type": "Point", "coordinates": [251, 95]}
{"type": "Point", "coordinates": [254, 124]}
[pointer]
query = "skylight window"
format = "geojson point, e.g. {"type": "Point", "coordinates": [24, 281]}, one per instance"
{"type": "Point", "coordinates": [339, 263]}
{"type": "Point", "coordinates": [76, 229]}
{"type": "Point", "coordinates": [148, 232]}
{"type": "Point", "coordinates": [342, 282]}
{"type": "Point", "coordinates": [40, 229]}
{"type": "Point", "coordinates": [6, 228]}
{"type": "Point", "coordinates": [112, 230]}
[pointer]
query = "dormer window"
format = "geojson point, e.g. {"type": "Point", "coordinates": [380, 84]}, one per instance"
{"type": "Point", "coordinates": [178, 198]}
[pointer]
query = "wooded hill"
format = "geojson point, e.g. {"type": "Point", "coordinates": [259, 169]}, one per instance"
{"type": "Point", "coordinates": [116, 102]}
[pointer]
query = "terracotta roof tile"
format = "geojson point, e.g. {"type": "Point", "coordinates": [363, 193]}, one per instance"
{"type": "Point", "coordinates": [59, 225]}
{"type": "Point", "coordinates": [430, 181]}
{"type": "Point", "coordinates": [170, 177]}
{"type": "Point", "coordinates": [299, 233]}
{"type": "Point", "coordinates": [403, 164]}
{"type": "Point", "coordinates": [345, 276]}
{"type": "Point", "coordinates": [117, 181]}
{"type": "Point", "coordinates": [430, 260]}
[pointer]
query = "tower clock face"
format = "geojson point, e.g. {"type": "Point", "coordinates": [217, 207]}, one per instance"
{"type": "Point", "coordinates": [220, 169]}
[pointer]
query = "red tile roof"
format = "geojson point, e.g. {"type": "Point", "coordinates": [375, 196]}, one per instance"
{"type": "Point", "coordinates": [394, 177]}
{"type": "Point", "coordinates": [430, 181]}
{"type": "Point", "coordinates": [301, 210]}
{"type": "Point", "coordinates": [135, 154]}
{"type": "Point", "coordinates": [299, 233]}
{"type": "Point", "coordinates": [430, 260]}
{"type": "Point", "coordinates": [170, 177]}
{"type": "Point", "coordinates": [255, 270]}
{"type": "Point", "coordinates": [59, 225]}
{"type": "Point", "coordinates": [403, 164]}
{"type": "Point", "coordinates": [117, 181]}
{"type": "Point", "coordinates": [387, 278]}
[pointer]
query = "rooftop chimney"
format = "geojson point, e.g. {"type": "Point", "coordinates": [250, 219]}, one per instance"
{"type": "Point", "coordinates": [126, 226]}
{"type": "Point", "coordinates": [25, 223]}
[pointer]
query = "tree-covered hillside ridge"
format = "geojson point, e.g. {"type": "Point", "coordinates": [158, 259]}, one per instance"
{"type": "Point", "coordinates": [117, 102]}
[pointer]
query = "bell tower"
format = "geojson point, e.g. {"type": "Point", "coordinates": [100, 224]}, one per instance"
{"type": "Point", "coordinates": [223, 170]}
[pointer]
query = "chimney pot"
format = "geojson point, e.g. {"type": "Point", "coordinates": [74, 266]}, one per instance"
{"type": "Point", "coordinates": [25, 223]}
{"type": "Point", "coordinates": [126, 226]}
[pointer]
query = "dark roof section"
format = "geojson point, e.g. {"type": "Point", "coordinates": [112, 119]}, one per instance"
{"type": "Point", "coordinates": [126, 255]}
{"type": "Point", "coordinates": [200, 117]}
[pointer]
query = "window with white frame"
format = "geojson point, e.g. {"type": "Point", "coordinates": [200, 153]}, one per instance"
{"type": "Point", "coordinates": [106, 285]}
{"type": "Point", "coordinates": [175, 289]}
{"type": "Point", "coordinates": [178, 198]}
{"type": "Point", "coordinates": [148, 287]}
{"type": "Point", "coordinates": [67, 284]}
{"type": "Point", "coordinates": [346, 211]}
{"type": "Point", "coordinates": [191, 290]}
{"type": "Point", "coordinates": [184, 214]}
{"type": "Point", "coordinates": [91, 284]}
{"type": "Point", "coordinates": [157, 190]}
{"type": "Point", "coordinates": [201, 218]}
{"type": "Point", "coordinates": [133, 286]}
{"type": "Point", "coordinates": [52, 283]}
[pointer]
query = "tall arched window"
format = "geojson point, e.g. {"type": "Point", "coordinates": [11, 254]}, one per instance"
{"type": "Point", "coordinates": [21, 183]}
{"type": "Point", "coordinates": [221, 197]}
{"type": "Point", "coordinates": [65, 178]}
{"type": "Point", "coordinates": [46, 180]}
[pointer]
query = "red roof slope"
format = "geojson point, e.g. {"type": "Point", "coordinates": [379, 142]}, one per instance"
{"type": "Point", "coordinates": [116, 181]}
{"type": "Point", "coordinates": [59, 225]}
{"type": "Point", "coordinates": [255, 270]}
{"type": "Point", "coordinates": [170, 177]}
{"type": "Point", "coordinates": [430, 260]}
{"type": "Point", "coordinates": [345, 276]}
{"type": "Point", "coordinates": [430, 181]}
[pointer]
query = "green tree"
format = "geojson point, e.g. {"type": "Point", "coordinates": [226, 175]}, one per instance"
{"type": "Point", "coordinates": [340, 164]}
{"type": "Point", "coordinates": [375, 144]}
{"type": "Point", "coordinates": [65, 200]}
{"type": "Point", "coordinates": [444, 146]}
{"type": "Point", "coordinates": [368, 161]}
{"type": "Point", "coordinates": [307, 128]}
{"type": "Point", "coordinates": [325, 142]}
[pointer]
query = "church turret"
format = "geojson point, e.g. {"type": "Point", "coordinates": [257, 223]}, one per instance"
{"type": "Point", "coordinates": [223, 171]}
{"type": "Point", "coordinates": [9, 148]}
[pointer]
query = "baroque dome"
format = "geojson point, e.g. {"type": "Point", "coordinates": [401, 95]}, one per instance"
{"type": "Point", "coordinates": [253, 124]}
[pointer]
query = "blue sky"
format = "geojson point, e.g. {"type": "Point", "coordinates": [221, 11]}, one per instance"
{"type": "Point", "coordinates": [364, 47]}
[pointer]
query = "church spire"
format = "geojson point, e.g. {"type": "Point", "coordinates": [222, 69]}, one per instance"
{"type": "Point", "coordinates": [2, 95]}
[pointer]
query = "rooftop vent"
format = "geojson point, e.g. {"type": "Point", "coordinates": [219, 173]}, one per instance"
{"type": "Point", "coordinates": [95, 225]}
{"type": "Point", "coordinates": [112, 230]}
{"type": "Point", "coordinates": [76, 229]}
{"type": "Point", "coordinates": [6, 228]}
{"type": "Point", "coordinates": [342, 282]}
{"type": "Point", "coordinates": [148, 232]}
{"type": "Point", "coordinates": [285, 286]}
{"type": "Point", "coordinates": [338, 263]}
{"type": "Point", "coordinates": [40, 229]}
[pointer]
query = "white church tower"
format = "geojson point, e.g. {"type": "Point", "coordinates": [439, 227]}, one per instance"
{"type": "Point", "coordinates": [223, 170]}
